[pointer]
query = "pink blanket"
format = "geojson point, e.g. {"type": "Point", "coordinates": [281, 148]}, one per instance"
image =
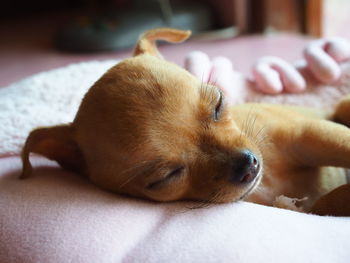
{"type": "Point", "coordinates": [57, 216]}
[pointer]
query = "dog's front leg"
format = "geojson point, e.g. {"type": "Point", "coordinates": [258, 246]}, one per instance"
{"type": "Point", "coordinates": [317, 143]}
{"type": "Point", "coordinates": [342, 111]}
{"type": "Point", "coordinates": [335, 203]}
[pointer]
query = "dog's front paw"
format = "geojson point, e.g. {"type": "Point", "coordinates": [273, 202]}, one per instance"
{"type": "Point", "coordinates": [324, 56]}
{"type": "Point", "coordinates": [274, 75]}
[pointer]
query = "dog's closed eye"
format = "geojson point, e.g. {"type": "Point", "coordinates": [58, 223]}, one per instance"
{"type": "Point", "coordinates": [174, 174]}
{"type": "Point", "coordinates": [219, 107]}
{"type": "Point", "coordinates": [212, 102]}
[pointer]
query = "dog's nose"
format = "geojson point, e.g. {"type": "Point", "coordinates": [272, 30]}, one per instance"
{"type": "Point", "coordinates": [245, 167]}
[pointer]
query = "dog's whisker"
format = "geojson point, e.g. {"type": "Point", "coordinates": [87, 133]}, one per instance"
{"type": "Point", "coordinates": [197, 206]}
{"type": "Point", "coordinates": [207, 203]}
{"type": "Point", "coordinates": [207, 92]}
{"type": "Point", "coordinates": [260, 131]}
{"type": "Point", "coordinates": [146, 165]}
{"type": "Point", "coordinates": [263, 140]}
{"type": "Point", "coordinates": [253, 123]}
{"type": "Point", "coordinates": [260, 136]}
{"type": "Point", "coordinates": [209, 78]}
{"type": "Point", "coordinates": [215, 81]}
{"type": "Point", "coordinates": [251, 127]}
{"type": "Point", "coordinates": [130, 179]}
{"type": "Point", "coordinates": [240, 135]}
{"type": "Point", "coordinates": [244, 129]}
{"type": "Point", "coordinates": [202, 78]}
{"type": "Point", "coordinates": [132, 168]}
{"type": "Point", "coordinates": [218, 197]}
{"type": "Point", "coordinates": [200, 205]}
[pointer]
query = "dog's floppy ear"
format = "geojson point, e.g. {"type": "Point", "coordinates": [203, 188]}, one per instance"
{"type": "Point", "coordinates": [146, 43]}
{"type": "Point", "coordinates": [55, 143]}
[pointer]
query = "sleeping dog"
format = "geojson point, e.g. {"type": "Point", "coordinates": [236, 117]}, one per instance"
{"type": "Point", "coordinates": [149, 129]}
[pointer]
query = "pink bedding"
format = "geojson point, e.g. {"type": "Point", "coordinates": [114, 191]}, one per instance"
{"type": "Point", "coordinates": [57, 216]}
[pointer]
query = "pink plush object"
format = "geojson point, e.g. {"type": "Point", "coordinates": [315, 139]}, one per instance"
{"type": "Point", "coordinates": [273, 75]}
{"type": "Point", "coordinates": [218, 71]}
{"type": "Point", "coordinates": [323, 57]}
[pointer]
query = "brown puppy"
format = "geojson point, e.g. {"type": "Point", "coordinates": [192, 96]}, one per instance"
{"type": "Point", "coordinates": [150, 129]}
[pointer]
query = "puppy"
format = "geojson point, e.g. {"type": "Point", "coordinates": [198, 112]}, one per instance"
{"type": "Point", "coordinates": [150, 129]}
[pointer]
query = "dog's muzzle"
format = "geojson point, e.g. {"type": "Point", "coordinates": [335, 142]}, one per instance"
{"type": "Point", "coordinates": [245, 168]}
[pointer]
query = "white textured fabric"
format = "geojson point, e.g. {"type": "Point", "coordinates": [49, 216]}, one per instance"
{"type": "Point", "coordinates": [47, 98]}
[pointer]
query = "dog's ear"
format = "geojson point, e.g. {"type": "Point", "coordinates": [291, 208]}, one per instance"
{"type": "Point", "coordinates": [56, 143]}
{"type": "Point", "coordinates": [146, 43]}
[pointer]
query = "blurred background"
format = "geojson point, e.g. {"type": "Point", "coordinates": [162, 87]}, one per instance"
{"type": "Point", "coordinates": [40, 35]}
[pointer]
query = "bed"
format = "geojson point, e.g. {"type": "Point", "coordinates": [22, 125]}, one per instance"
{"type": "Point", "coordinates": [58, 216]}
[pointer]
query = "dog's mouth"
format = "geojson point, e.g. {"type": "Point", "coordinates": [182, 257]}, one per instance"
{"type": "Point", "coordinates": [254, 184]}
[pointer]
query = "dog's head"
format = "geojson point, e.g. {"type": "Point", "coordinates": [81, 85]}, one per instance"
{"type": "Point", "coordinates": [148, 128]}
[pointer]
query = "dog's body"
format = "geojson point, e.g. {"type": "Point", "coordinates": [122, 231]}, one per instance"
{"type": "Point", "coordinates": [150, 129]}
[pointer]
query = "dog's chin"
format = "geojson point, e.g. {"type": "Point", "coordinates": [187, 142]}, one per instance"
{"type": "Point", "coordinates": [252, 186]}
{"type": "Point", "coordinates": [231, 197]}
